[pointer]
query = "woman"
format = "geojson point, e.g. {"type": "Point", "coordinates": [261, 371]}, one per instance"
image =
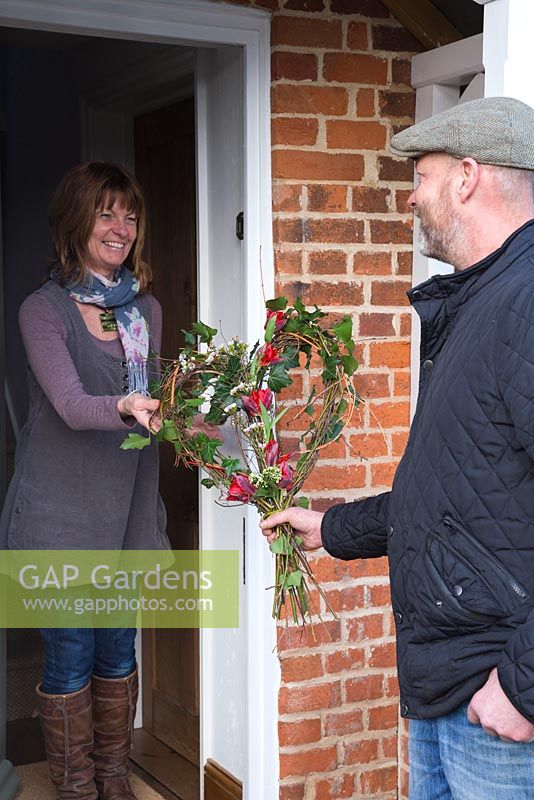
{"type": "Point", "coordinates": [88, 332]}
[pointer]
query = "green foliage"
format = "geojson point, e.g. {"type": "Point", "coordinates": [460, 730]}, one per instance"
{"type": "Point", "coordinates": [303, 502]}
{"type": "Point", "coordinates": [135, 442]}
{"type": "Point", "coordinates": [206, 447]}
{"type": "Point", "coordinates": [231, 465]}
{"type": "Point", "coordinates": [204, 332]}
{"type": "Point", "coordinates": [278, 377]}
{"type": "Point", "coordinates": [278, 545]}
{"type": "Point", "coordinates": [277, 304]}
{"type": "Point", "coordinates": [208, 483]}
{"type": "Point", "coordinates": [269, 329]}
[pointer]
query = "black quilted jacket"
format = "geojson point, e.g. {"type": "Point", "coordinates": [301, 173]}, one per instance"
{"type": "Point", "coordinates": [458, 524]}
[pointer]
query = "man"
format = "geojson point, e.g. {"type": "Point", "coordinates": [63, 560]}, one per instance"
{"type": "Point", "coordinates": [458, 524]}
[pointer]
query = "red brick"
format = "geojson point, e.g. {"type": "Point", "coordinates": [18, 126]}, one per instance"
{"type": "Point", "coordinates": [405, 263]}
{"type": "Point", "coordinates": [292, 392]}
{"type": "Point", "coordinates": [349, 658]}
{"type": "Point", "coordinates": [354, 135]}
{"type": "Point", "coordinates": [355, 68]}
{"type": "Point", "coordinates": [329, 569]}
{"type": "Point", "coordinates": [318, 760]}
{"type": "Point", "coordinates": [379, 594]}
{"type": "Point", "coordinates": [365, 102]}
{"type": "Point", "coordinates": [309, 698]}
{"type": "Point", "coordinates": [391, 232]}
{"type": "Point", "coordinates": [390, 415]}
{"type": "Point", "coordinates": [301, 668]}
{"type": "Point", "coordinates": [335, 230]}
{"type": "Point", "coordinates": [310, 165]}
{"type": "Point", "coordinates": [337, 449]}
{"type": "Point", "coordinates": [305, 32]}
{"type": "Point", "coordinates": [401, 383]}
{"type": "Point", "coordinates": [286, 197]}
{"type": "Point", "coordinates": [294, 131]}
{"type": "Point", "coordinates": [389, 747]}
{"type": "Point", "coordinates": [293, 791]}
{"type": "Point", "coordinates": [399, 442]}
{"type": "Point", "coordinates": [357, 36]}
{"type": "Point", "coordinates": [369, 8]}
{"type": "Point", "coordinates": [405, 324]}
{"type": "Point", "coordinates": [393, 169]}
{"type": "Point", "coordinates": [383, 474]}
{"type": "Point", "coordinates": [369, 445]}
{"type": "Point", "coordinates": [287, 262]}
{"type": "Point", "coordinates": [378, 780]}
{"type": "Point", "coordinates": [370, 200]}
{"type": "Point", "coordinates": [383, 655]}
{"type": "Point", "coordinates": [392, 686]}
{"type": "Point", "coordinates": [384, 717]}
{"type": "Point", "coordinates": [288, 230]}
{"type": "Point", "coordinates": [366, 627]}
{"type": "Point", "coordinates": [378, 263]}
{"type": "Point", "coordinates": [401, 201]}
{"type": "Point", "coordinates": [293, 66]}
{"type": "Point", "coordinates": [335, 787]}
{"type": "Point", "coordinates": [401, 71]}
{"type": "Point", "coordinates": [329, 477]}
{"type": "Point", "coordinates": [327, 198]}
{"type": "Point", "coordinates": [302, 99]}
{"type": "Point", "coordinates": [371, 384]}
{"type": "Point", "coordinates": [376, 325]}
{"type": "Point", "coordinates": [301, 732]}
{"type": "Point", "coordinates": [349, 599]}
{"type": "Point", "coordinates": [343, 723]}
{"type": "Point", "coordinates": [368, 687]}
{"type": "Point", "coordinates": [395, 38]}
{"type": "Point", "coordinates": [342, 293]}
{"type": "Point", "coordinates": [396, 104]}
{"type": "Point", "coordinates": [304, 5]}
{"type": "Point", "coordinates": [327, 262]}
{"type": "Point", "coordinates": [313, 635]}
{"type": "Point", "coordinates": [361, 752]}
{"type": "Point", "coordinates": [390, 293]}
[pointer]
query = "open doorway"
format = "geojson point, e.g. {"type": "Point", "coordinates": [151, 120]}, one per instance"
{"type": "Point", "coordinates": [66, 99]}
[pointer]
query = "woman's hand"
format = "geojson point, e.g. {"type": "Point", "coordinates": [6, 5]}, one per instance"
{"type": "Point", "coordinates": [201, 426]}
{"type": "Point", "coordinates": [306, 524]}
{"type": "Point", "coordinates": [142, 408]}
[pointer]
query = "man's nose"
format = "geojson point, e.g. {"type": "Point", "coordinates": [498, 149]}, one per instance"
{"type": "Point", "coordinates": [411, 201]}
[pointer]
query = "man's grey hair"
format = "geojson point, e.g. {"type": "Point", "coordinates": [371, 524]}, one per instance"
{"type": "Point", "coordinates": [514, 183]}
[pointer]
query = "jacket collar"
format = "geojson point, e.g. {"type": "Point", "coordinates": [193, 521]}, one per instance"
{"type": "Point", "coordinates": [459, 287]}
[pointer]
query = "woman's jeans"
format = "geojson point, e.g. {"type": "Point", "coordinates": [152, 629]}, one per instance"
{"type": "Point", "coordinates": [451, 759]}
{"type": "Point", "coordinates": [72, 655]}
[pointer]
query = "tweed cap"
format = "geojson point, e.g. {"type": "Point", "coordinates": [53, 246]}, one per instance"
{"type": "Point", "coordinates": [493, 130]}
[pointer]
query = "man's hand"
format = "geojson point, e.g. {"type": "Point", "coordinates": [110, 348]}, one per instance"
{"type": "Point", "coordinates": [199, 425]}
{"type": "Point", "coordinates": [491, 709]}
{"type": "Point", "coordinates": [307, 524]}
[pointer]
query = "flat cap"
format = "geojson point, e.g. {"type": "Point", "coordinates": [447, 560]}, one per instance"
{"type": "Point", "coordinates": [493, 130]}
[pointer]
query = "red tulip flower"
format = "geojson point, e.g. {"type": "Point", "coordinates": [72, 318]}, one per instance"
{"type": "Point", "coordinates": [287, 473]}
{"type": "Point", "coordinates": [280, 319]}
{"type": "Point", "coordinates": [269, 355]}
{"type": "Point", "coordinates": [241, 489]}
{"type": "Point", "coordinates": [251, 404]}
{"type": "Point", "coordinates": [271, 453]}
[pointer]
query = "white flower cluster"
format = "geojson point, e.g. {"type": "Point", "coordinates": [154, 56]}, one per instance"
{"type": "Point", "coordinates": [253, 427]}
{"type": "Point", "coordinates": [242, 388]}
{"type": "Point", "coordinates": [231, 408]}
{"type": "Point", "coordinates": [185, 363]}
{"type": "Point", "coordinates": [268, 476]}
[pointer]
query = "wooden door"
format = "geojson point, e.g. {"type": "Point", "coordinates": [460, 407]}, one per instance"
{"type": "Point", "coordinates": [165, 167]}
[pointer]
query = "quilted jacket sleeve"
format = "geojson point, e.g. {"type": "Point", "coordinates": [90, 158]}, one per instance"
{"type": "Point", "coordinates": [358, 529]}
{"type": "Point", "coordinates": [515, 370]}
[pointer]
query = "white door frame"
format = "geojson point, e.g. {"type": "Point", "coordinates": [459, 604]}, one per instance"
{"type": "Point", "coordinates": [203, 23]}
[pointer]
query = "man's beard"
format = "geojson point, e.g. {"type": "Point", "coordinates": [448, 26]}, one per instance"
{"type": "Point", "coordinates": [442, 243]}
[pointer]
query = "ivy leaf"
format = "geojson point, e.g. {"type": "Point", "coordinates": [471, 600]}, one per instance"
{"type": "Point", "coordinates": [194, 402]}
{"type": "Point", "coordinates": [343, 331]}
{"type": "Point", "coordinates": [278, 377]}
{"type": "Point", "coordinates": [203, 331]}
{"type": "Point", "coordinates": [208, 483]}
{"type": "Point", "coordinates": [269, 329]}
{"type": "Point", "coordinates": [278, 545]}
{"type": "Point", "coordinates": [303, 502]}
{"type": "Point", "coordinates": [277, 304]}
{"type": "Point", "coordinates": [350, 365]}
{"type": "Point", "coordinates": [168, 431]}
{"type": "Point", "coordinates": [231, 465]}
{"type": "Point", "coordinates": [189, 338]}
{"type": "Point", "coordinates": [135, 442]}
{"type": "Point", "coordinates": [293, 579]}
{"type": "Point", "coordinates": [330, 365]}
{"type": "Point", "coordinates": [206, 447]}
{"type": "Point", "coordinates": [291, 357]}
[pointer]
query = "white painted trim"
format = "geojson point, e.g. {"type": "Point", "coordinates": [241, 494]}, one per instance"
{"type": "Point", "coordinates": [202, 23]}
{"type": "Point", "coordinates": [508, 26]}
{"type": "Point", "coordinates": [449, 65]}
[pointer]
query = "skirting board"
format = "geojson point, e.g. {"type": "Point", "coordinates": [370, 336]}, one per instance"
{"type": "Point", "coordinates": [219, 784]}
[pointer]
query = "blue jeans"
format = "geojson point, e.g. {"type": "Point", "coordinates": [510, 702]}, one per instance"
{"type": "Point", "coordinates": [72, 655]}
{"type": "Point", "coordinates": [450, 759]}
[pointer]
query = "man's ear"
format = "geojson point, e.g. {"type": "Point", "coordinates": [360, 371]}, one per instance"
{"type": "Point", "coordinates": [469, 177]}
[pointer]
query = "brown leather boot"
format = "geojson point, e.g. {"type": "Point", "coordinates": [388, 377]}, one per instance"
{"type": "Point", "coordinates": [114, 702]}
{"type": "Point", "coordinates": [67, 725]}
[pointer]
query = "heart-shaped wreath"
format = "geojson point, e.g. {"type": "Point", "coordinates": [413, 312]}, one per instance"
{"type": "Point", "coordinates": [243, 387]}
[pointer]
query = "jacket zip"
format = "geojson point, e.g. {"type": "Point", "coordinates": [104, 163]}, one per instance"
{"type": "Point", "coordinates": [496, 565]}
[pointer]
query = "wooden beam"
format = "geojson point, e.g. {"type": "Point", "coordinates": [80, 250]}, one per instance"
{"type": "Point", "coordinates": [424, 21]}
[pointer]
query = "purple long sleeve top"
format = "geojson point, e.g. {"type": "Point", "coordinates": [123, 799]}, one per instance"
{"type": "Point", "coordinates": [45, 339]}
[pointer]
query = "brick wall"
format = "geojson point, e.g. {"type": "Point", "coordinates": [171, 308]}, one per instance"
{"type": "Point", "coordinates": [340, 87]}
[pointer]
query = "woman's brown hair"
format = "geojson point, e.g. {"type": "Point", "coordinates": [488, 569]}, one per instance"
{"type": "Point", "coordinates": [82, 192]}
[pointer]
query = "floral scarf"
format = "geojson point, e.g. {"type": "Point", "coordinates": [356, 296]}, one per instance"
{"type": "Point", "coordinates": [119, 294]}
